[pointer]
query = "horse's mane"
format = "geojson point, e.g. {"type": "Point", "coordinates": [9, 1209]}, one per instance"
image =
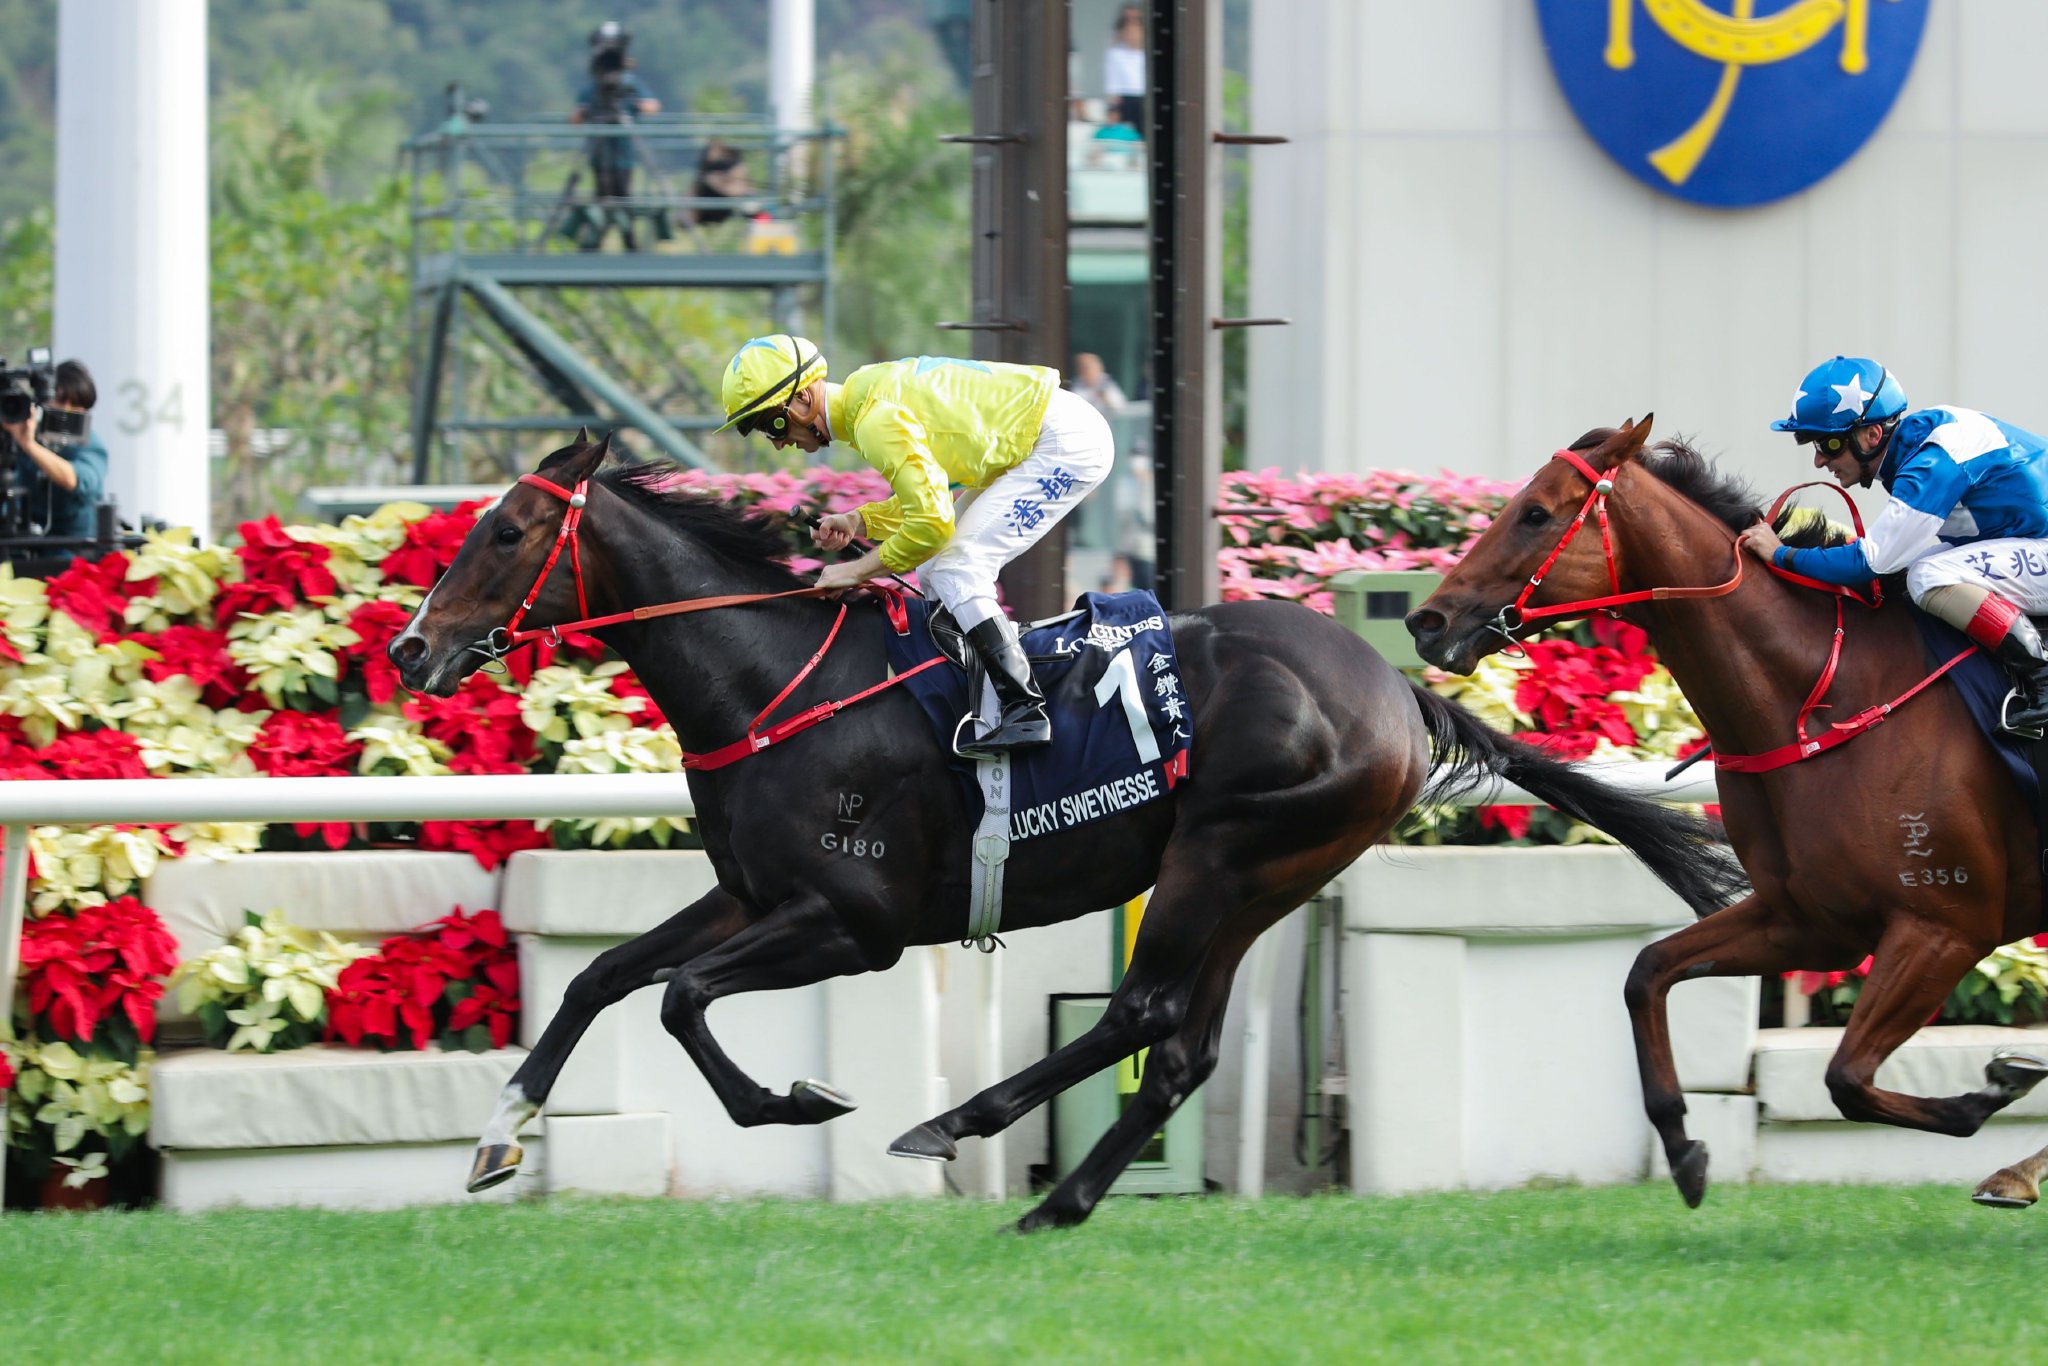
{"type": "Point", "coordinates": [749, 540]}
{"type": "Point", "coordinates": [1681, 467]}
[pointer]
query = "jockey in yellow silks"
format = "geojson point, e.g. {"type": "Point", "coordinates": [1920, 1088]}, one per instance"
{"type": "Point", "coordinates": [1032, 450]}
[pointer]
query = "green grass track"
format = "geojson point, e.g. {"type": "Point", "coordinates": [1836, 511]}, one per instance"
{"type": "Point", "coordinates": [1803, 1274]}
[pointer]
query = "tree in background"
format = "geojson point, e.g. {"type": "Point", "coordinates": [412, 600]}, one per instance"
{"type": "Point", "coordinates": [309, 302]}
{"type": "Point", "coordinates": [905, 212]}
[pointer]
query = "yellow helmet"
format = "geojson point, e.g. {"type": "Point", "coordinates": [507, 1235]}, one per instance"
{"type": "Point", "coordinates": [765, 375]}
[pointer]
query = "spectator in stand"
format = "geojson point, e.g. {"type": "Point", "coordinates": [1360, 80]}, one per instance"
{"type": "Point", "coordinates": [614, 96]}
{"type": "Point", "coordinates": [1123, 69]}
{"type": "Point", "coordinates": [1093, 382]}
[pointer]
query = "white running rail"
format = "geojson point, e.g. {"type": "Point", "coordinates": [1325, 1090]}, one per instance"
{"type": "Point", "coordinates": [537, 797]}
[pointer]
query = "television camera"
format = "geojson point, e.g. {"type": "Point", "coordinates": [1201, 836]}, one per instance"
{"type": "Point", "coordinates": [609, 65]}
{"type": "Point", "coordinates": [27, 539]}
{"type": "Point", "coordinates": [31, 385]}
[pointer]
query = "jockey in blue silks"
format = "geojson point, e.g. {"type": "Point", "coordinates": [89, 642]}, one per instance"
{"type": "Point", "coordinates": [1967, 520]}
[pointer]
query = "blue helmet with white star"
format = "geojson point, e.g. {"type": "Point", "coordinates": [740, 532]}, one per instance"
{"type": "Point", "coordinates": [1846, 392]}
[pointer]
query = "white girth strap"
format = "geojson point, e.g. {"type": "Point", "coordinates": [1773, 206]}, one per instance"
{"type": "Point", "coordinates": [991, 838]}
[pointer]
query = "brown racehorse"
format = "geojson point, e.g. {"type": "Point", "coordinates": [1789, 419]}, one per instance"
{"type": "Point", "coordinates": [1309, 747]}
{"type": "Point", "coordinates": [1912, 843]}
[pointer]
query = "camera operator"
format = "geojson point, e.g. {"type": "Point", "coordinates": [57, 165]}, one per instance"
{"type": "Point", "coordinates": [613, 96]}
{"type": "Point", "coordinates": [60, 487]}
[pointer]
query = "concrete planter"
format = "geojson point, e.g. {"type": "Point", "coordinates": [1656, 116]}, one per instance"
{"type": "Point", "coordinates": [875, 1036]}
{"type": "Point", "coordinates": [1487, 1040]}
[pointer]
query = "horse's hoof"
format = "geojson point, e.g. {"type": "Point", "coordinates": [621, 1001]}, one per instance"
{"type": "Point", "coordinates": [494, 1166]}
{"type": "Point", "coordinates": [817, 1102]}
{"type": "Point", "coordinates": [1690, 1172]}
{"type": "Point", "coordinates": [1045, 1217]}
{"type": "Point", "coordinates": [2005, 1189]}
{"type": "Point", "coordinates": [925, 1142]}
{"type": "Point", "coordinates": [2015, 1073]}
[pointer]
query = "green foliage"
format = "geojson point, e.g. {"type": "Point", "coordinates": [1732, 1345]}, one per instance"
{"type": "Point", "coordinates": [309, 301]}
{"type": "Point", "coordinates": [28, 92]}
{"type": "Point", "coordinates": [905, 221]}
{"type": "Point", "coordinates": [26, 281]}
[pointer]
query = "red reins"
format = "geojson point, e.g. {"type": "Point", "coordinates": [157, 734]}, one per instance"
{"type": "Point", "coordinates": [754, 740]}
{"type": "Point", "coordinates": [1839, 732]}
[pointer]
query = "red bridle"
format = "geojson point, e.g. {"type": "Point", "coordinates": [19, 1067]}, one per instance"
{"type": "Point", "coordinates": [755, 740]}
{"type": "Point", "coordinates": [507, 638]}
{"type": "Point", "coordinates": [1596, 501]}
{"type": "Point", "coordinates": [1839, 732]}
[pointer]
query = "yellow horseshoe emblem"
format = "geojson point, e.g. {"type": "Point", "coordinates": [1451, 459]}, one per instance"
{"type": "Point", "coordinates": [1736, 40]}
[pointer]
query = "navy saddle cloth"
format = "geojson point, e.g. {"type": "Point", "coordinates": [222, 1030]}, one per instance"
{"type": "Point", "coordinates": [1120, 722]}
{"type": "Point", "coordinates": [1983, 683]}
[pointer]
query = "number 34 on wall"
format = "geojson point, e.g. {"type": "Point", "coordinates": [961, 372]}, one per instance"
{"type": "Point", "coordinates": [140, 409]}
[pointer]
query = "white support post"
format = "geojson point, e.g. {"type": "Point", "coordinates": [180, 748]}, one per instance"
{"type": "Point", "coordinates": [131, 250]}
{"type": "Point", "coordinates": [1253, 1084]}
{"type": "Point", "coordinates": [792, 63]}
{"type": "Point", "coordinates": [13, 915]}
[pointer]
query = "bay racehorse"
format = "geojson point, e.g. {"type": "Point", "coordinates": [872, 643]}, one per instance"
{"type": "Point", "coordinates": [1307, 748]}
{"type": "Point", "coordinates": [1908, 841]}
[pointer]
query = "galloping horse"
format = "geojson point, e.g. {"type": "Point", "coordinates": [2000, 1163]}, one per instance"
{"type": "Point", "coordinates": [1913, 845]}
{"type": "Point", "coordinates": [1307, 748]}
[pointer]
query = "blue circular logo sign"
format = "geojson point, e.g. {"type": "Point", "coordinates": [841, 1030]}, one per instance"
{"type": "Point", "coordinates": [1723, 105]}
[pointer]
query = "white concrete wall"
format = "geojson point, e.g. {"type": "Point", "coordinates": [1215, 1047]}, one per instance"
{"type": "Point", "coordinates": [1473, 282]}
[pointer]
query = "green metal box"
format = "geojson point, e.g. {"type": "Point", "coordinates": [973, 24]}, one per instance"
{"type": "Point", "coordinates": [1171, 1164]}
{"type": "Point", "coordinates": [1372, 603]}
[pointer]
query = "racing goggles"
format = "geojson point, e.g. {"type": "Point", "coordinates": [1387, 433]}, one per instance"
{"type": "Point", "coordinates": [1831, 442]}
{"type": "Point", "coordinates": [770, 422]}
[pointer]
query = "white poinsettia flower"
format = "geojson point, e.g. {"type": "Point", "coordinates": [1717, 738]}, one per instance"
{"type": "Point", "coordinates": [218, 840]}
{"type": "Point", "coordinates": [44, 702]}
{"type": "Point", "coordinates": [24, 611]}
{"type": "Point", "coordinates": [561, 699]}
{"type": "Point", "coordinates": [187, 577]}
{"type": "Point", "coordinates": [285, 651]}
{"type": "Point", "coordinates": [398, 747]}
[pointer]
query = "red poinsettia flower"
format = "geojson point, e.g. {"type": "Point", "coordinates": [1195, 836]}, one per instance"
{"type": "Point", "coordinates": [6, 1074]}
{"type": "Point", "coordinates": [292, 744]}
{"type": "Point", "coordinates": [252, 598]}
{"type": "Point", "coordinates": [18, 758]}
{"type": "Point", "coordinates": [489, 842]}
{"type": "Point", "coordinates": [95, 593]}
{"type": "Point", "coordinates": [1511, 820]}
{"type": "Point", "coordinates": [79, 967]}
{"type": "Point", "coordinates": [1630, 641]}
{"type": "Point", "coordinates": [400, 994]}
{"type": "Point", "coordinates": [521, 664]}
{"type": "Point", "coordinates": [377, 622]}
{"type": "Point", "coordinates": [493, 1003]}
{"type": "Point", "coordinates": [1567, 692]}
{"type": "Point", "coordinates": [93, 754]}
{"type": "Point", "coordinates": [430, 546]}
{"type": "Point", "coordinates": [200, 654]}
{"type": "Point", "coordinates": [480, 725]}
{"type": "Point", "coordinates": [628, 684]}
{"type": "Point", "coordinates": [270, 555]}
{"type": "Point", "coordinates": [1810, 982]}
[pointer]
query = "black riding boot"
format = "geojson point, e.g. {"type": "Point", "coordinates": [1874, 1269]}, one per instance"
{"type": "Point", "coordinates": [2026, 712]}
{"type": "Point", "coordinates": [1023, 722]}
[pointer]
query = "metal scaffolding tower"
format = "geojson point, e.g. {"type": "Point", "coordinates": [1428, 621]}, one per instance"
{"type": "Point", "coordinates": [513, 249]}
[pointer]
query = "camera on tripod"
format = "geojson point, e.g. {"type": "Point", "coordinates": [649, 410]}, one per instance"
{"type": "Point", "coordinates": [609, 65]}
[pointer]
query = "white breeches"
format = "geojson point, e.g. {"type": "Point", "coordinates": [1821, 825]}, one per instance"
{"type": "Point", "coordinates": [2015, 568]}
{"type": "Point", "coordinates": [1003, 520]}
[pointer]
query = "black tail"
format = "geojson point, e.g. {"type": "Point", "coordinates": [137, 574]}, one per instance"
{"type": "Point", "coordinates": [1685, 851]}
